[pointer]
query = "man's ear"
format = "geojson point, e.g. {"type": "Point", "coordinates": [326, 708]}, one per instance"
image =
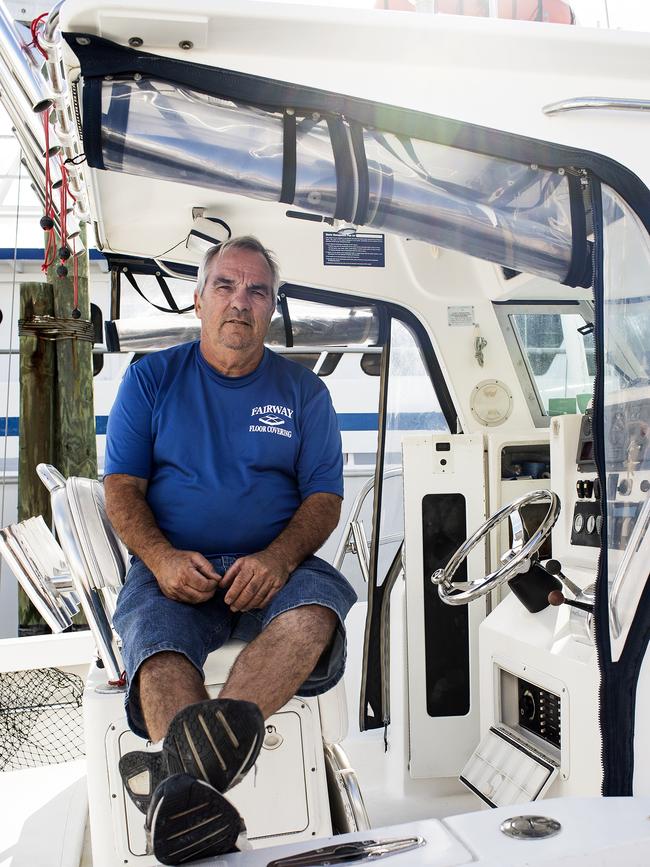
{"type": "Point", "coordinates": [197, 304]}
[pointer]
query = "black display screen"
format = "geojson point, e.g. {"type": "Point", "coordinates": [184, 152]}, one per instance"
{"type": "Point", "coordinates": [446, 627]}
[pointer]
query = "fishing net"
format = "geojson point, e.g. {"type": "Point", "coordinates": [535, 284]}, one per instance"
{"type": "Point", "coordinates": [40, 718]}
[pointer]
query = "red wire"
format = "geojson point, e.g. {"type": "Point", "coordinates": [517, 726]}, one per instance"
{"type": "Point", "coordinates": [34, 29]}
{"type": "Point", "coordinates": [75, 277]}
{"type": "Point", "coordinates": [50, 250]}
{"type": "Point", "coordinates": [48, 181]}
{"type": "Point", "coordinates": [64, 205]}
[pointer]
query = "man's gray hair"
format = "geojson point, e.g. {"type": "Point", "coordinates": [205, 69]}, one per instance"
{"type": "Point", "coordinates": [243, 242]}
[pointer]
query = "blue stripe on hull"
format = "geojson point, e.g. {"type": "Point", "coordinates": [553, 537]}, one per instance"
{"type": "Point", "coordinates": [348, 421]}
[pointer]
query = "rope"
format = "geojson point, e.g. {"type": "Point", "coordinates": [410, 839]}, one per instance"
{"type": "Point", "coordinates": [54, 328]}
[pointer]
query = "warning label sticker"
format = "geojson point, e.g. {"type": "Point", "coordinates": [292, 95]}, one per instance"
{"type": "Point", "coordinates": [460, 315]}
{"type": "Point", "coordinates": [360, 250]}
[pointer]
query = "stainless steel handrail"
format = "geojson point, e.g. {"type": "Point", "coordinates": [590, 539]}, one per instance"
{"type": "Point", "coordinates": [64, 122]}
{"type": "Point", "coordinates": [354, 526]}
{"type": "Point", "coordinates": [580, 103]}
{"type": "Point", "coordinates": [16, 56]}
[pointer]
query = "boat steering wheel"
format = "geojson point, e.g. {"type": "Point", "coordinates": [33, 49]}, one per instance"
{"type": "Point", "coordinates": [515, 561]}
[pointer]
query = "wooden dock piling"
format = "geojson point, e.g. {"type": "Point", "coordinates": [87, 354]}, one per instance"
{"type": "Point", "coordinates": [57, 415]}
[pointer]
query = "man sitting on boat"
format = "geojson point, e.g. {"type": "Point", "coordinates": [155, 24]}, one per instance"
{"type": "Point", "coordinates": [223, 476]}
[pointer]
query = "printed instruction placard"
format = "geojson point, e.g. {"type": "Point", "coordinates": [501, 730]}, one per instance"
{"type": "Point", "coordinates": [361, 249]}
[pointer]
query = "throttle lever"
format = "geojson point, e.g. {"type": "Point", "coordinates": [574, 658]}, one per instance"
{"type": "Point", "coordinates": [557, 597]}
{"type": "Point", "coordinates": [554, 567]}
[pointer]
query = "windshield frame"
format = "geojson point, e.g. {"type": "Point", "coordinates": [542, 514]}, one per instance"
{"type": "Point", "coordinates": [503, 311]}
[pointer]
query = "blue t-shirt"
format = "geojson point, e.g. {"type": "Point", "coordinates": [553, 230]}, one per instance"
{"type": "Point", "coordinates": [228, 459]}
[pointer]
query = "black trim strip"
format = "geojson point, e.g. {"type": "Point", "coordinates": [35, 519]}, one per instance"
{"type": "Point", "coordinates": [310, 218]}
{"type": "Point", "coordinates": [363, 182]}
{"type": "Point", "coordinates": [137, 265]}
{"type": "Point", "coordinates": [288, 191]}
{"type": "Point", "coordinates": [581, 269]}
{"type": "Point", "coordinates": [101, 57]}
{"type": "Point", "coordinates": [372, 712]}
{"type": "Point", "coordinates": [409, 319]}
{"type": "Point", "coordinates": [480, 795]}
{"type": "Point", "coordinates": [343, 167]}
{"type": "Point", "coordinates": [92, 123]}
{"type": "Point", "coordinates": [286, 317]}
{"type": "Point", "coordinates": [537, 302]}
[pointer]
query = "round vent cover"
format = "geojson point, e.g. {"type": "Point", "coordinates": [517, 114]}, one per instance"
{"type": "Point", "coordinates": [491, 402]}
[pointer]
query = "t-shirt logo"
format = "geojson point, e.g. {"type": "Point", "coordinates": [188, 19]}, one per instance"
{"type": "Point", "coordinates": [271, 418]}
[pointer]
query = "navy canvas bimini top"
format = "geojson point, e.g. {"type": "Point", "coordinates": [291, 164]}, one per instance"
{"type": "Point", "coordinates": [228, 459]}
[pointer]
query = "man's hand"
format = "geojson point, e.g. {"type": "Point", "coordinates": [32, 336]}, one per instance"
{"type": "Point", "coordinates": [252, 581]}
{"type": "Point", "coordinates": [186, 576]}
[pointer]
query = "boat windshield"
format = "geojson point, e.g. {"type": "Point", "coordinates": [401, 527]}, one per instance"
{"type": "Point", "coordinates": [552, 348]}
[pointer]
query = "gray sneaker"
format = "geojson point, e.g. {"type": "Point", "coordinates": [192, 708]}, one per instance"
{"type": "Point", "coordinates": [188, 819]}
{"type": "Point", "coordinates": [217, 741]}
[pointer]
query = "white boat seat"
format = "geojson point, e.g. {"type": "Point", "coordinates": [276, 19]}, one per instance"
{"type": "Point", "coordinates": [98, 562]}
{"type": "Point", "coordinates": [96, 556]}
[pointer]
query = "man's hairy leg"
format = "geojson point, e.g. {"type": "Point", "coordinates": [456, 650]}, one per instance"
{"type": "Point", "coordinates": [273, 666]}
{"type": "Point", "coordinates": [168, 683]}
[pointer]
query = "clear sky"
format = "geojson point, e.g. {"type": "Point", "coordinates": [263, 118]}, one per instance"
{"type": "Point", "coordinates": [623, 14]}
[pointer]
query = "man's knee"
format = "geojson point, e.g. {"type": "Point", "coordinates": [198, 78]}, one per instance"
{"type": "Point", "coordinates": [316, 621]}
{"type": "Point", "coordinates": [165, 667]}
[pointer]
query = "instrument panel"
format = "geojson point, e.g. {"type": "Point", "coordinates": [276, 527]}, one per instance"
{"type": "Point", "coordinates": [627, 427]}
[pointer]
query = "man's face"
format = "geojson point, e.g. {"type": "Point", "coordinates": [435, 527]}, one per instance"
{"type": "Point", "coordinates": [237, 301]}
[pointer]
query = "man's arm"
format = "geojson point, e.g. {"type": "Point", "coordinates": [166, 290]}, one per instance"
{"type": "Point", "coordinates": [255, 579]}
{"type": "Point", "coordinates": [185, 576]}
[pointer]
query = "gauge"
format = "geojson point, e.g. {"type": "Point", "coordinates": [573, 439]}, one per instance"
{"type": "Point", "coordinates": [591, 523]}
{"type": "Point", "coordinates": [625, 487]}
{"type": "Point", "coordinates": [578, 523]}
{"type": "Point", "coordinates": [617, 429]}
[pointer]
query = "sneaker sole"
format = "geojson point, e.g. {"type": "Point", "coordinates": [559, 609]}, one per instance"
{"type": "Point", "coordinates": [191, 820]}
{"type": "Point", "coordinates": [217, 741]}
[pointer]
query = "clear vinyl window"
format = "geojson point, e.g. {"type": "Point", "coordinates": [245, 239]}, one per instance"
{"type": "Point", "coordinates": [626, 411]}
{"type": "Point", "coordinates": [515, 214]}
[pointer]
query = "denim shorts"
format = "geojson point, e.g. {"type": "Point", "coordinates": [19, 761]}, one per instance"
{"type": "Point", "coordinates": [149, 623]}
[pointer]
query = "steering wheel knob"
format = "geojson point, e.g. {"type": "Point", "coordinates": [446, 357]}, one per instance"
{"type": "Point", "coordinates": [439, 577]}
